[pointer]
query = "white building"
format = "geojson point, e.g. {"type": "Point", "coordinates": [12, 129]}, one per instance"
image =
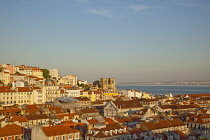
{"type": "Point", "coordinates": [82, 82]}
{"type": "Point", "coordinates": [19, 84]}
{"type": "Point", "coordinates": [72, 91]}
{"type": "Point", "coordinates": [54, 73]}
{"type": "Point", "coordinates": [38, 96]}
{"type": "Point", "coordinates": [132, 93]}
{"type": "Point", "coordinates": [68, 79]}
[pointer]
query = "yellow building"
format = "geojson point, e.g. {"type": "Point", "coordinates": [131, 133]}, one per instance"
{"type": "Point", "coordinates": [28, 70]}
{"type": "Point", "coordinates": [5, 77]}
{"type": "Point", "coordinates": [146, 95]}
{"type": "Point", "coordinates": [108, 96]}
{"type": "Point", "coordinates": [37, 72]}
{"type": "Point", "coordinates": [19, 95]}
{"type": "Point", "coordinates": [89, 95]}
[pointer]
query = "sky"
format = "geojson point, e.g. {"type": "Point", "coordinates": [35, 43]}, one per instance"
{"type": "Point", "coordinates": [130, 40]}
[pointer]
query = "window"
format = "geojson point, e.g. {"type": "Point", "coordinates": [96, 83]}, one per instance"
{"type": "Point", "coordinates": [70, 136]}
{"type": "Point", "coordinates": [64, 137]}
{"type": "Point", "coordinates": [27, 135]}
{"type": "Point", "coordinates": [57, 138]}
{"type": "Point", "coordinates": [9, 138]}
{"type": "Point", "coordinates": [76, 135]}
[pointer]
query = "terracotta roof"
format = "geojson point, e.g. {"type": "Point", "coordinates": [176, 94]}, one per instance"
{"type": "Point", "coordinates": [35, 68]}
{"type": "Point", "coordinates": [100, 133]}
{"type": "Point", "coordinates": [127, 104]}
{"type": "Point", "coordinates": [164, 107]}
{"type": "Point", "coordinates": [31, 107]}
{"type": "Point", "coordinates": [183, 106]}
{"type": "Point", "coordinates": [23, 89]}
{"type": "Point", "coordinates": [18, 118]}
{"type": "Point", "coordinates": [93, 121]}
{"type": "Point", "coordinates": [56, 109]}
{"type": "Point", "coordinates": [181, 134]}
{"type": "Point", "coordinates": [109, 120]}
{"type": "Point", "coordinates": [176, 122]}
{"type": "Point", "coordinates": [67, 87]}
{"type": "Point", "coordinates": [31, 76]}
{"type": "Point", "coordinates": [159, 124]}
{"type": "Point", "coordinates": [90, 110]}
{"type": "Point", "coordinates": [82, 98]}
{"type": "Point", "coordinates": [36, 88]}
{"type": "Point", "coordinates": [137, 132]}
{"type": "Point", "coordinates": [148, 100]}
{"type": "Point", "coordinates": [10, 110]}
{"type": "Point", "coordinates": [199, 119]}
{"type": "Point", "coordinates": [11, 129]}
{"type": "Point", "coordinates": [6, 89]}
{"type": "Point", "coordinates": [97, 102]}
{"type": "Point", "coordinates": [67, 122]}
{"type": "Point", "coordinates": [32, 111]}
{"type": "Point", "coordinates": [58, 130]}
{"type": "Point", "coordinates": [70, 116]}
{"type": "Point", "coordinates": [136, 119]}
{"type": "Point", "coordinates": [36, 117]}
{"type": "Point", "coordinates": [123, 120]}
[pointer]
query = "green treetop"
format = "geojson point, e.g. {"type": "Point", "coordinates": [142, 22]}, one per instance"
{"type": "Point", "coordinates": [46, 73]}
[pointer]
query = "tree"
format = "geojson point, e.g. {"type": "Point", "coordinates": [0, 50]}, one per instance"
{"type": "Point", "coordinates": [18, 73]}
{"type": "Point", "coordinates": [85, 87]}
{"type": "Point", "coordinates": [46, 73]}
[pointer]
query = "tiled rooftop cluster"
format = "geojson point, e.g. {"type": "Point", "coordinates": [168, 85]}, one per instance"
{"type": "Point", "coordinates": [57, 108]}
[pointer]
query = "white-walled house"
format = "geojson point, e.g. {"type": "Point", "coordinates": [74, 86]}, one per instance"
{"type": "Point", "coordinates": [54, 73]}
{"type": "Point", "coordinates": [132, 93]}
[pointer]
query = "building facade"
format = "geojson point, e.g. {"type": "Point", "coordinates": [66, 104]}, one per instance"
{"type": "Point", "coordinates": [54, 73]}
{"type": "Point", "coordinates": [108, 83]}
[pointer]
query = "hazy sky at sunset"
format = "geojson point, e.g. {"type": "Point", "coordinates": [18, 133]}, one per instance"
{"type": "Point", "coordinates": [130, 40]}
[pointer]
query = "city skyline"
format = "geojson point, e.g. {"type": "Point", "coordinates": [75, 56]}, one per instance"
{"type": "Point", "coordinates": [132, 41]}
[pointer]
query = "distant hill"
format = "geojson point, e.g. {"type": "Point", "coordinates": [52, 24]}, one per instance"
{"type": "Point", "coordinates": [167, 83]}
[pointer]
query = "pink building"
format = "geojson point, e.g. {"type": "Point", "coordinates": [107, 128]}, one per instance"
{"type": "Point", "coordinates": [10, 68]}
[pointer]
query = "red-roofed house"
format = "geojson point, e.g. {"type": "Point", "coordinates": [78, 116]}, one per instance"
{"type": "Point", "coordinates": [57, 132]}
{"type": "Point", "coordinates": [158, 126]}
{"type": "Point", "coordinates": [198, 124]}
{"type": "Point", "coordinates": [149, 102]}
{"type": "Point", "coordinates": [103, 131]}
{"type": "Point", "coordinates": [20, 120]}
{"type": "Point", "coordinates": [67, 117]}
{"type": "Point", "coordinates": [84, 102]}
{"type": "Point", "coordinates": [114, 108]}
{"type": "Point", "coordinates": [88, 113]}
{"type": "Point", "coordinates": [11, 132]}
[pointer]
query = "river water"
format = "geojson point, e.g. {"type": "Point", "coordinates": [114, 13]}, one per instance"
{"type": "Point", "coordinates": [175, 89]}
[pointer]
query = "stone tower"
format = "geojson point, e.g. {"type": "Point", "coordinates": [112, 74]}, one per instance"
{"type": "Point", "coordinates": [107, 83]}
